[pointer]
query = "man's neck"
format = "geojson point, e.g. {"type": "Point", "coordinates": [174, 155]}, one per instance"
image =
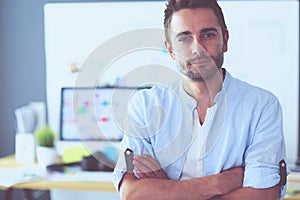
{"type": "Point", "coordinates": [205, 92]}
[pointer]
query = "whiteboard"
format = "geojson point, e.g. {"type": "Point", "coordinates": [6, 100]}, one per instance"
{"type": "Point", "coordinates": [263, 48]}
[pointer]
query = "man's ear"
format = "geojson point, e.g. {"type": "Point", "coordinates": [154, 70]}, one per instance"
{"type": "Point", "coordinates": [169, 48]}
{"type": "Point", "coordinates": [225, 38]}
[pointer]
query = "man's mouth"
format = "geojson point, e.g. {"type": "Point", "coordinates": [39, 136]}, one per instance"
{"type": "Point", "coordinates": [199, 61]}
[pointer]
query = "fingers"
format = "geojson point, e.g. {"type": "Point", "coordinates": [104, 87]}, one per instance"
{"type": "Point", "coordinates": [235, 176]}
{"type": "Point", "coordinates": [147, 167]}
{"type": "Point", "coordinates": [236, 171]}
{"type": "Point", "coordinates": [148, 163]}
{"type": "Point", "coordinates": [142, 167]}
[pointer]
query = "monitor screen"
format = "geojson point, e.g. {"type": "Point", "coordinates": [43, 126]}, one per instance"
{"type": "Point", "coordinates": [93, 113]}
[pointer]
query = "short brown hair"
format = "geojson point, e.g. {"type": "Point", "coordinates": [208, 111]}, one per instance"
{"type": "Point", "coordinates": [176, 5]}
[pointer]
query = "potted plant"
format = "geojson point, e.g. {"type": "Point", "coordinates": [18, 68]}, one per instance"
{"type": "Point", "coordinates": [45, 150]}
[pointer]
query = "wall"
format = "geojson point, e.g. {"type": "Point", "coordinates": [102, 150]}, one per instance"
{"type": "Point", "coordinates": [22, 62]}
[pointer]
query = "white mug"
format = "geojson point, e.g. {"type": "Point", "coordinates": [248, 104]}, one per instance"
{"type": "Point", "coordinates": [25, 148]}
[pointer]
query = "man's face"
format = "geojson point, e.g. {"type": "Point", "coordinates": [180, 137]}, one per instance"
{"type": "Point", "coordinates": [197, 43]}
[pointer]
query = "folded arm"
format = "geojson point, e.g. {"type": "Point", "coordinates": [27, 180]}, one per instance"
{"type": "Point", "coordinates": [272, 193]}
{"type": "Point", "coordinates": [155, 185]}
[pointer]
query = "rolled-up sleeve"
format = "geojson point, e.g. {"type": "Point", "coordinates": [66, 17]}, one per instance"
{"type": "Point", "coordinates": [266, 149]}
{"type": "Point", "coordinates": [135, 138]}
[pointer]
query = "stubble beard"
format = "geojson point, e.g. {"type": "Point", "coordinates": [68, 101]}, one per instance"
{"type": "Point", "coordinates": [216, 64]}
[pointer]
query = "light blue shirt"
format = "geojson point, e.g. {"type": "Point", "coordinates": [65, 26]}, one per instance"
{"type": "Point", "coordinates": [246, 131]}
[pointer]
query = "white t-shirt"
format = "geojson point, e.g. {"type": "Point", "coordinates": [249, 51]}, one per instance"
{"type": "Point", "coordinates": [193, 166]}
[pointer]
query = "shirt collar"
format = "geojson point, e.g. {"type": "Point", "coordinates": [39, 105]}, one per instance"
{"type": "Point", "coordinates": [184, 97]}
{"type": "Point", "coordinates": [191, 102]}
{"type": "Point", "coordinates": [225, 86]}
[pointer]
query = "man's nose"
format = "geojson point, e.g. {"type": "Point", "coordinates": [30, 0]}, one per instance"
{"type": "Point", "coordinates": [197, 47]}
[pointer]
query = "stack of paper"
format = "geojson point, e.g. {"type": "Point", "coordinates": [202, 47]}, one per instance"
{"type": "Point", "coordinates": [11, 176]}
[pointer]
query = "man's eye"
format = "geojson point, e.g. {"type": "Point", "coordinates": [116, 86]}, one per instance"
{"type": "Point", "coordinates": [208, 35]}
{"type": "Point", "coordinates": [183, 39]}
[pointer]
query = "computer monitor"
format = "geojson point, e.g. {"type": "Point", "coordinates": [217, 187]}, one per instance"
{"type": "Point", "coordinates": [92, 114]}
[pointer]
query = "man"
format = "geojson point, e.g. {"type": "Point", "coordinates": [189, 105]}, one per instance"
{"type": "Point", "coordinates": [208, 136]}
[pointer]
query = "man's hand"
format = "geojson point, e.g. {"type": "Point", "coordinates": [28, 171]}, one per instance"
{"type": "Point", "coordinates": [153, 180]}
{"type": "Point", "coordinates": [147, 167]}
{"type": "Point", "coordinates": [204, 188]}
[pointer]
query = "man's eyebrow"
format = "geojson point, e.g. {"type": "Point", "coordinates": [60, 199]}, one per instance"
{"type": "Point", "coordinates": [183, 33]}
{"type": "Point", "coordinates": [205, 30]}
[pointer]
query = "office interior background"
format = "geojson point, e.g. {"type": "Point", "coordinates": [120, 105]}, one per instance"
{"type": "Point", "coordinates": [22, 61]}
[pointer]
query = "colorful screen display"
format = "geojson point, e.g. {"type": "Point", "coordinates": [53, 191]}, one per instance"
{"type": "Point", "coordinates": [93, 113]}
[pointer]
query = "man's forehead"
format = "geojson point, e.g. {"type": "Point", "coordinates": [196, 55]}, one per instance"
{"type": "Point", "coordinates": [194, 20]}
{"type": "Point", "coordinates": [185, 19]}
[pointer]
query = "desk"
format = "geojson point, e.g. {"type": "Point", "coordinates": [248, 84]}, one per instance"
{"type": "Point", "coordinates": [41, 184]}
{"type": "Point", "coordinates": [294, 184]}
{"type": "Point", "coordinates": [44, 184]}
{"type": "Point", "coordinates": [294, 197]}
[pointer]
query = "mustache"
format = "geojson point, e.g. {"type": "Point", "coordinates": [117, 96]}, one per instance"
{"type": "Point", "coordinates": [198, 57]}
